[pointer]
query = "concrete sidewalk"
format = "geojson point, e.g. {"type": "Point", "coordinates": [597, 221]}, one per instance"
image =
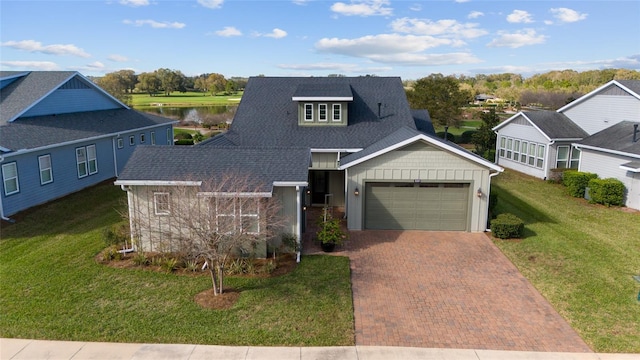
{"type": "Point", "coordinates": [16, 349]}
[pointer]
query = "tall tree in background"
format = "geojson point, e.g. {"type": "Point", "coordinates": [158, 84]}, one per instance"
{"type": "Point", "coordinates": [170, 80]}
{"type": "Point", "coordinates": [149, 83]}
{"type": "Point", "coordinates": [116, 85]}
{"type": "Point", "coordinates": [442, 96]}
{"type": "Point", "coordinates": [485, 138]}
{"type": "Point", "coordinates": [216, 83]}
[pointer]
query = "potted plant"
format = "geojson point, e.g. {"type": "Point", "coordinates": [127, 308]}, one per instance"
{"type": "Point", "coordinates": [330, 234]}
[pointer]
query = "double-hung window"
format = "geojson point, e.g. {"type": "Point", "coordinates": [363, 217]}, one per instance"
{"type": "Point", "coordinates": [509, 148]}
{"type": "Point", "coordinates": [322, 112]}
{"type": "Point", "coordinates": [46, 172]}
{"type": "Point", "coordinates": [161, 203]}
{"type": "Point", "coordinates": [540, 157]}
{"type": "Point", "coordinates": [523, 155]}
{"type": "Point", "coordinates": [562, 157]}
{"type": "Point", "coordinates": [337, 112]}
{"type": "Point", "coordinates": [516, 150]}
{"type": "Point", "coordinates": [250, 216]}
{"type": "Point", "coordinates": [81, 161]}
{"type": "Point", "coordinates": [308, 112]}
{"type": "Point", "coordinates": [575, 158]}
{"type": "Point", "coordinates": [86, 160]}
{"type": "Point", "coordinates": [10, 178]}
{"type": "Point", "coordinates": [92, 159]}
{"type": "Point", "coordinates": [225, 215]}
{"type": "Point", "coordinates": [503, 145]}
{"type": "Point", "coordinates": [532, 154]}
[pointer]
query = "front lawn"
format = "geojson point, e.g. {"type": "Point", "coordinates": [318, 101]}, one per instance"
{"type": "Point", "coordinates": [581, 257]}
{"type": "Point", "coordinates": [52, 288]}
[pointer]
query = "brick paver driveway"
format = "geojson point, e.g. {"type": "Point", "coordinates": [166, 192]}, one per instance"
{"type": "Point", "coordinates": [448, 290]}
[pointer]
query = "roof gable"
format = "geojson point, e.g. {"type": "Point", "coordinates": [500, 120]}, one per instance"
{"type": "Point", "coordinates": [553, 125]}
{"type": "Point", "coordinates": [632, 87]}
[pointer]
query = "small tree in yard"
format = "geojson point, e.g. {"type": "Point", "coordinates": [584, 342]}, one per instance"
{"type": "Point", "coordinates": [221, 218]}
{"type": "Point", "coordinates": [485, 138]}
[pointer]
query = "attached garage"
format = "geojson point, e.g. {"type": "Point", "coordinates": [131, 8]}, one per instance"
{"type": "Point", "coordinates": [416, 206]}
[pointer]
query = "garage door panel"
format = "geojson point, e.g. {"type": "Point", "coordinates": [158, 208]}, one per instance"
{"type": "Point", "coordinates": [428, 206]}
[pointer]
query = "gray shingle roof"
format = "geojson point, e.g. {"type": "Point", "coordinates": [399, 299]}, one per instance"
{"type": "Point", "coordinates": [423, 122]}
{"type": "Point", "coordinates": [22, 93]}
{"type": "Point", "coordinates": [323, 90]}
{"type": "Point", "coordinates": [556, 125]}
{"type": "Point", "coordinates": [204, 163]}
{"type": "Point", "coordinates": [618, 137]}
{"type": "Point", "coordinates": [34, 132]}
{"type": "Point", "coordinates": [267, 116]}
{"type": "Point", "coordinates": [633, 85]}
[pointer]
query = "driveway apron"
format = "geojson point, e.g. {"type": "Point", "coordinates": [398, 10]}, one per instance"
{"type": "Point", "coordinates": [448, 290]}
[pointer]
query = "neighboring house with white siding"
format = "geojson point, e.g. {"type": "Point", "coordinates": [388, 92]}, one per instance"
{"type": "Point", "coordinates": [368, 153]}
{"type": "Point", "coordinates": [604, 138]}
{"type": "Point", "coordinates": [60, 133]}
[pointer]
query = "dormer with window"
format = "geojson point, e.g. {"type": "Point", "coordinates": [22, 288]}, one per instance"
{"type": "Point", "coordinates": [323, 104]}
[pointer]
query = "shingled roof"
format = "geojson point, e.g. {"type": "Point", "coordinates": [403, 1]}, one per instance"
{"type": "Point", "coordinates": [553, 124]}
{"type": "Point", "coordinates": [268, 116]}
{"type": "Point", "coordinates": [617, 138]}
{"type": "Point", "coordinates": [203, 163]}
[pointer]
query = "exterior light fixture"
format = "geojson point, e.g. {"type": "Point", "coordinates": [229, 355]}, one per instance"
{"type": "Point", "coordinates": [479, 193]}
{"type": "Point", "coordinates": [356, 192]}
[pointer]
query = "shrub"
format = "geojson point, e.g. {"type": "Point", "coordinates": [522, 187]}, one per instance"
{"type": "Point", "coordinates": [556, 175]}
{"type": "Point", "coordinates": [450, 136]}
{"type": "Point", "coordinates": [577, 181]}
{"type": "Point", "coordinates": [183, 136]}
{"type": "Point", "coordinates": [507, 226]}
{"type": "Point", "coordinates": [466, 137]}
{"type": "Point", "coordinates": [169, 264]}
{"type": "Point", "coordinates": [606, 191]}
{"type": "Point", "coordinates": [289, 243]}
{"type": "Point", "coordinates": [140, 259]}
{"type": "Point", "coordinates": [116, 234]}
{"type": "Point", "coordinates": [184, 142]}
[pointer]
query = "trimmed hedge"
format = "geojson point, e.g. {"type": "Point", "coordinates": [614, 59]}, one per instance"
{"type": "Point", "coordinates": [184, 142]}
{"type": "Point", "coordinates": [450, 136]}
{"type": "Point", "coordinates": [606, 191]}
{"type": "Point", "coordinates": [577, 181]}
{"type": "Point", "coordinates": [507, 226]}
{"type": "Point", "coordinates": [466, 137]}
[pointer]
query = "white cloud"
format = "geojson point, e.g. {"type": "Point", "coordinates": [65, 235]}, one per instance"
{"type": "Point", "coordinates": [335, 67]}
{"type": "Point", "coordinates": [134, 3]}
{"type": "Point", "coordinates": [567, 15]}
{"type": "Point", "coordinates": [300, 2]}
{"type": "Point", "coordinates": [363, 8]}
{"type": "Point", "coordinates": [517, 39]}
{"type": "Point", "coordinates": [117, 58]}
{"type": "Point", "coordinates": [276, 34]}
{"type": "Point", "coordinates": [96, 65]}
{"type": "Point", "coordinates": [445, 28]}
{"type": "Point", "coordinates": [228, 31]}
{"type": "Point", "coordinates": [54, 49]}
{"type": "Point", "coordinates": [519, 16]}
{"type": "Point", "coordinates": [211, 4]}
{"type": "Point", "coordinates": [155, 24]}
{"type": "Point", "coordinates": [415, 7]}
{"type": "Point", "coordinates": [31, 65]}
{"type": "Point", "coordinates": [475, 14]}
{"type": "Point", "coordinates": [462, 1]}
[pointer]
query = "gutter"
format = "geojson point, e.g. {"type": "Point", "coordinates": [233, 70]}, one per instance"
{"type": "Point", "coordinates": [298, 222]}
{"type": "Point", "coordinates": [489, 192]}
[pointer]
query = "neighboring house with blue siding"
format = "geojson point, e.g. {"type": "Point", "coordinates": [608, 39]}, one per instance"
{"type": "Point", "coordinates": [596, 133]}
{"type": "Point", "coordinates": [60, 133]}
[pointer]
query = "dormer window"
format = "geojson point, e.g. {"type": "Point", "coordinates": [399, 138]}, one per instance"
{"type": "Point", "coordinates": [323, 104]}
{"type": "Point", "coordinates": [308, 112]}
{"type": "Point", "coordinates": [337, 113]}
{"type": "Point", "coordinates": [322, 112]}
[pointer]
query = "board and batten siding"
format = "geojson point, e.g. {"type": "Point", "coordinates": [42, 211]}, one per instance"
{"type": "Point", "coordinates": [64, 101]}
{"type": "Point", "coordinates": [424, 163]}
{"type": "Point", "coordinates": [324, 161]}
{"type": "Point", "coordinates": [287, 196]}
{"type": "Point", "coordinates": [608, 166]}
{"type": "Point", "coordinates": [522, 131]}
{"type": "Point", "coordinates": [602, 111]}
{"type": "Point", "coordinates": [123, 154]}
{"type": "Point", "coordinates": [65, 175]}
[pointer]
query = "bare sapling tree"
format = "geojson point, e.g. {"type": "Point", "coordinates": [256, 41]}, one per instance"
{"type": "Point", "coordinates": [224, 217]}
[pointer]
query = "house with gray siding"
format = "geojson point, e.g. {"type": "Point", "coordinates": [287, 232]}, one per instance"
{"type": "Point", "coordinates": [594, 133]}
{"type": "Point", "coordinates": [60, 133]}
{"type": "Point", "coordinates": [369, 154]}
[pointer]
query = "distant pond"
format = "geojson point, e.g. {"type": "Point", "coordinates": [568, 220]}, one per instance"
{"type": "Point", "coordinates": [199, 115]}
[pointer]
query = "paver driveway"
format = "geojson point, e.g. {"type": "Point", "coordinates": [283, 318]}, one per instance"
{"type": "Point", "coordinates": [448, 290]}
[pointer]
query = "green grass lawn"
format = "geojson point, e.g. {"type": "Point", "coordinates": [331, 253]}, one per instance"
{"type": "Point", "coordinates": [52, 288]}
{"type": "Point", "coordinates": [187, 99]}
{"type": "Point", "coordinates": [581, 257]}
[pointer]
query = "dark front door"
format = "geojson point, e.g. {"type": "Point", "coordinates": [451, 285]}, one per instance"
{"type": "Point", "coordinates": [319, 186]}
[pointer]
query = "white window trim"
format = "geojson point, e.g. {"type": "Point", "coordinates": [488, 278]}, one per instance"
{"type": "Point", "coordinates": [516, 149]}
{"type": "Point", "coordinates": [5, 179]}
{"type": "Point", "coordinates": [540, 157]}
{"type": "Point", "coordinates": [503, 146]}
{"type": "Point", "coordinates": [326, 114]}
{"type": "Point", "coordinates": [306, 119]}
{"type": "Point", "coordinates": [528, 156]}
{"type": "Point", "coordinates": [577, 151]}
{"type": "Point", "coordinates": [156, 209]}
{"type": "Point", "coordinates": [565, 160]}
{"type": "Point", "coordinates": [142, 138]}
{"type": "Point", "coordinates": [333, 112]}
{"type": "Point", "coordinates": [83, 163]}
{"type": "Point", "coordinates": [120, 143]}
{"type": "Point", "coordinates": [524, 151]}
{"type": "Point", "coordinates": [94, 159]}
{"type": "Point", "coordinates": [153, 138]}
{"type": "Point", "coordinates": [45, 169]}
{"type": "Point", "coordinates": [255, 215]}
{"type": "Point", "coordinates": [132, 140]}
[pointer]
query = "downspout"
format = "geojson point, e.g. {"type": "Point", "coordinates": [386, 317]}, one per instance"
{"type": "Point", "coordinates": [298, 222]}
{"type": "Point", "coordinates": [546, 159]}
{"type": "Point", "coordinates": [489, 193]}
{"type": "Point", "coordinates": [131, 229]}
{"type": "Point", "coordinates": [346, 192]}
{"type": "Point", "coordinates": [115, 158]}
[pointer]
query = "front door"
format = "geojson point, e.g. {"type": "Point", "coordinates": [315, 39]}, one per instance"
{"type": "Point", "coordinates": [319, 186]}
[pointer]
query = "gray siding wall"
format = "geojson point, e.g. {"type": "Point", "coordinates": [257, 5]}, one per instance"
{"type": "Point", "coordinates": [424, 163]}
{"type": "Point", "coordinates": [608, 166]}
{"type": "Point", "coordinates": [324, 161]}
{"type": "Point", "coordinates": [65, 175]}
{"type": "Point", "coordinates": [289, 210]}
{"type": "Point", "coordinates": [602, 111]}
{"type": "Point", "coordinates": [518, 130]}
{"type": "Point", "coordinates": [72, 100]}
{"type": "Point", "coordinates": [123, 154]}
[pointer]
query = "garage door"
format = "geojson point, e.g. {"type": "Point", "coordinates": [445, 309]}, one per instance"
{"type": "Point", "coordinates": [417, 206]}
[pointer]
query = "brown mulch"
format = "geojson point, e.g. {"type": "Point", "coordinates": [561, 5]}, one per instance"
{"type": "Point", "coordinates": [223, 301]}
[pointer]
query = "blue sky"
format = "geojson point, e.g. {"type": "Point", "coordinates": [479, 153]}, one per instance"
{"type": "Point", "coordinates": [411, 39]}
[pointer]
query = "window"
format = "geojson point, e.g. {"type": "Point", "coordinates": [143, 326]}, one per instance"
{"type": "Point", "coordinates": [532, 154]}
{"type": "Point", "coordinates": [161, 203]}
{"type": "Point", "coordinates": [562, 157]}
{"type": "Point", "coordinates": [132, 140]}
{"type": "Point", "coordinates": [169, 136]}
{"type": "Point", "coordinates": [516, 150]}
{"type": "Point", "coordinates": [225, 215]}
{"type": "Point", "coordinates": [81, 161]}
{"type": "Point", "coordinates": [141, 138]}
{"type": "Point", "coordinates": [153, 138]}
{"type": "Point", "coordinates": [337, 112]}
{"type": "Point", "coordinates": [523, 155]}
{"type": "Point", "coordinates": [509, 148]}
{"type": "Point", "coordinates": [86, 160]}
{"type": "Point", "coordinates": [503, 144]}
{"type": "Point", "coordinates": [10, 178]}
{"type": "Point", "coordinates": [575, 158]}
{"type": "Point", "coordinates": [540, 159]}
{"type": "Point", "coordinates": [46, 174]}
{"type": "Point", "coordinates": [120, 143]}
{"type": "Point", "coordinates": [308, 112]}
{"type": "Point", "coordinates": [322, 112]}
{"type": "Point", "coordinates": [249, 215]}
